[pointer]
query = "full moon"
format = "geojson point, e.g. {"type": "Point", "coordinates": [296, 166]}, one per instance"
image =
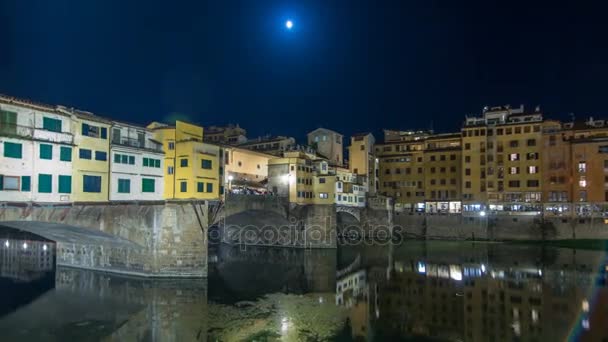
{"type": "Point", "coordinates": [289, 24]}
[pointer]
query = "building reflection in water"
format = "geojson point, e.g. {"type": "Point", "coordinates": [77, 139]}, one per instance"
{"type": "Point", "coordinates": [492, 300]}
{"type": "Point", "coordinates": [26, 260]}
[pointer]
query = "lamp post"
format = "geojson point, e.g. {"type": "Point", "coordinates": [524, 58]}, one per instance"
{"type": "Point", "coordinates": [230, 178]}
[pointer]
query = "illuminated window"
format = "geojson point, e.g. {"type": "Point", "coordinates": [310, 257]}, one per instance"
{"type": "Point", "coordinates": [582, 182]}
{"type": "Point", "coordinates": [582, 167]}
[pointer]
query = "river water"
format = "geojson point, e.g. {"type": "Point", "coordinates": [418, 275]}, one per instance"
{"type": "Point", "coordinates": [453, 291]}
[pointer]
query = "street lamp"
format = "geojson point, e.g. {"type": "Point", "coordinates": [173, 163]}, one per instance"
{"type": "Point", "coordinates": [230, 178]}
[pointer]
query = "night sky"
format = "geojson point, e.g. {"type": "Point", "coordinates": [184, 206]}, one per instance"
{"type": "Point", "coordinates": [347, 65]}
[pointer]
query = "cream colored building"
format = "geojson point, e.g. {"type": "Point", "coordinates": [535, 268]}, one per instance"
{"type": "Point", "coordinates": [362, 159]}
{"type": "Point", "coordinates": [243, 167]}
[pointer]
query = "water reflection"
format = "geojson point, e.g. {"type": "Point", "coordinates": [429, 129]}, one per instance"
{"type": "Point", "coordinates": [448, 291]}
{"type": "Point", "coordinates": [488, 293]}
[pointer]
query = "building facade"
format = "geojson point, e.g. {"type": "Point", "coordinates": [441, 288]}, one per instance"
{"type": "Point", "coordinates": [192, 167]}
{"type": "Point", "coordinates": [230, 134]}
{"type": "Point", "coordinates": [501, 160]}
{"type": "Point", "coordinates": [36, 146]}
{"type": "Point", "coordinates": [245, 168]}
{"type": "Point", "coordinates": [328, 144]}
{"type": "Point", "coordinates": [362, 159]}
{"type": "Point", "coordinates": [270, 145]}
{"type": "Point", "coordinates": [136, 164]}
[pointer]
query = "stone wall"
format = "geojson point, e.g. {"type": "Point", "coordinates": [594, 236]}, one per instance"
{"type": "Point", "coordinates": [166, 240]}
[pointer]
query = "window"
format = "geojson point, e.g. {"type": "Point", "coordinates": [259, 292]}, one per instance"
{"type": "Point", "coordinates": [45, 183]}
{"type": "Point", "coordinates": [322, 180]}
{"type": "Point", "coordinates": [467, 185]}
{"type": "Point", "coordinates": [131, 160]}
{"type": "Point", "coordinates": [582, 196]}
{"type": "Point", "coordinates": [124, 186]}
{"type": "Point", "coordinates": [102, 156]}
{"type": "Point", "coordinates": [183, 186]}
{"type": "Point", "coordinates": [467, 146]}
{"type": "Point", "coordinates": [533, 183]}
{"type": "Point", "coordinates": [50, 124]}
{"type": "Point", "coordinates": [432, 158]}
{"type": "Point", "coordinates": [452, 157]}
{"type": "Point", "coordinates": [531, 142]}
{"type": "Point", "coordinates": [91, 183]}
{"type": "Point", "coordinates": [94, 131]}
{"type": "Point", "coordinates": [26, 183]}
{"type": "Point", "coordinates": [532, 169]}
{"type": "Point", "coordinates": [8, 122]}
{"type": "Point", "coordinates": [513, 143]}
{"type": "Point", "coordinates": [467, 172]}
{"type": "Point", "coordinates": [171, 145]}
{"type": "Point", "coordinates": [65, 184]}
{"type": "Point", "coordinates": [467, 159]}
{"type": "Point", "coordinates": [582, 182]}
{"type": "Point", "coordinates": [206, 164]}
{"type": "Point", "coordinates": [514, 156]}
{"type": "Point", "coordinates": [9, 182]}
{"type": "Point", "coordinates": [12, 150]}
{"type": "Point", "coordinates": [84, 153]}
{"type": "Point", "coordinates": [323, 195]}
{"type": "Point", "coordinates": [170, 170]}
{"type": "Point", "coordinates": [147, 185]}
{"type": "Point", "coordinates": [513, 170]}
{"type": "Point", "coordinates": [200, 187]}
{"type": "Point", "coordinates": [183, 162]}
{"type": "Point", "coordinates": [514, 184]}
{"type": "Point", "coordinates": [46, 151]}
{"type": "Point", "coordinates": [582, 167]}
{"type": "Point", "coordinates": [209, 187]}
{"type": "Point", "coordinates": [65, 153]}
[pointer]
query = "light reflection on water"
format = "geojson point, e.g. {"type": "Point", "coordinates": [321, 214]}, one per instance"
{"type": "Point", "coordinates": [459, 291]}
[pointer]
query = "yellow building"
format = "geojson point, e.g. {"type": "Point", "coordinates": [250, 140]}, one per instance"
{"type": "Point", "coordinates": [362, 160]}
{"type": "Point", "coordinates": [91, 168]}
{"type": "Point", "coordinates": [442, 173]}
{"type": "Point", "coordinates": [501, 160]}
{"type": "Point", "coordinates": [401, 168]}
{"type": "Point", "coordinates": [305, 178]}
{"type": "Point", "coordinates": [192, 168]}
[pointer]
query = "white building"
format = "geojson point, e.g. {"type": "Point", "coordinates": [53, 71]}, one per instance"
{"type": "Point", "coordinates": [351, 190]}
{"type": "Point", "coordinates": [36, 146]}
{"type": "Point", "coordinates": [136, 164]}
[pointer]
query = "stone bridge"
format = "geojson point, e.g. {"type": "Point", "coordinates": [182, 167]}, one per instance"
{"type": "Point", "coordinates": [154, 239]}
{"type": "Point", "coordinates": [272, 221]}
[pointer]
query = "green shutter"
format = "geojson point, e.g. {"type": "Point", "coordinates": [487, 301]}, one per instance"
{"type": "Point", "coordinates": [65, 184]}
{"type": "Point", "coordinates": [157, 163]}
{"type": "Point", "coordinates": [12, 150]}
{"type": "Point", "coordinates": [209, 187]}
{"type": "Point", "coordinates": [46, 151]}
{"type": "Point", "coordinates": [145, 161]}
{"type": "Point", "coordinates": [200, 187]}
{"type": "Point", "coordinates": [131, 160]}
{"type": "Point", "coordinates": [8, 122]}
{"type": "Point", "coordinates": [206, 164]}
{"type": "Point", "coordinates": [183, 186]}
{"type": "Point", "coordinates": [116, 158]}
{"type": "Point", "coordinates": [26, 182]}
{"type": "Point", "coordinates": [51, 124]}
{"type": "Point", "coordinates": [147, 185]}
{"type": "Point", "coordinates": [45, 183]}
{"type": "Point", "coordinates": [65, 153]}
{"type": "Point", "coordinates": [124, 186]}
{"type": "Point", "coordinates": [124, 159]}
{"type": "Point", "coordinates": [1, 182]}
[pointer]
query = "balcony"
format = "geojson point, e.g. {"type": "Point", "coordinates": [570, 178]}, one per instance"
{"type": "Point", "coordinates": [136, 143]}
{"type": "Point", "coordinates": [19, 131]}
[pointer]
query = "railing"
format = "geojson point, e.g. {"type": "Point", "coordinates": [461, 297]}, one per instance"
{"type": "Point", "coordinates": [13, 130]}
{"type": "Point", "coordinates": [136, 143]}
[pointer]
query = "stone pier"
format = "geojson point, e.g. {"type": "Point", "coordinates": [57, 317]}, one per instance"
{"type": "Point", "coordinates": [157, 239]}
